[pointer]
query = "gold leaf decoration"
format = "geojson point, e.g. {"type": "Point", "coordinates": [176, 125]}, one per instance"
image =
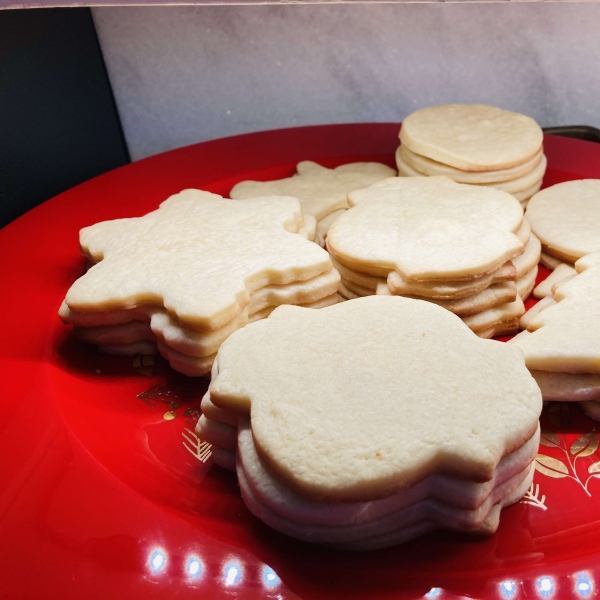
{"type": "Point", "coordinates": [552, 467]}
{"type": "Point", "coordinates": [195, 446]}
{"type": "Point", "coordinates": [549, 438]}
{"type": "Point", "coordinates": [559, 415]}
{"type": "Point", "coordinates": [594, 468]}
{"type": "Point", "coordinates": [532, 497]}
{"type": "Point", "coordinates": [585, 445]}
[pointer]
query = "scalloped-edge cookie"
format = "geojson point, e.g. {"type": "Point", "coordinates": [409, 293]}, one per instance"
{"type": "Point", "coordinates": [303, 376]}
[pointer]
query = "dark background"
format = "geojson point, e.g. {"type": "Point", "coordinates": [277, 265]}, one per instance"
{"type": "Point", "coordinates": [59, 124]}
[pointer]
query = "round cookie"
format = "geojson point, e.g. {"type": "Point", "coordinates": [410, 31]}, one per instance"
{"type": "Point", "coordinates": [566, 218]}
{"type": "Point", "coordinates": [430, 167]}
{"type": "Point", "coordinates": [521, 187]}
{"type": "Point", "coordinates": [472, 137]}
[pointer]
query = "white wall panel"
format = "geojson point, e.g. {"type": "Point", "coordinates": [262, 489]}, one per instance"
{"type": "Point", "coordinates": [187, 74]}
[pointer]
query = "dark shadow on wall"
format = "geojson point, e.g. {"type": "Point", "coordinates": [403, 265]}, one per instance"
{"type": "Point", "coordinates": [59, 124]}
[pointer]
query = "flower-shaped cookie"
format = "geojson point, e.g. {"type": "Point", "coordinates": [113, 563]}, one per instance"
{"type": "Point", "coordinates": [427, 228]}
{"type": "Point", "coordinates": [363, 399]}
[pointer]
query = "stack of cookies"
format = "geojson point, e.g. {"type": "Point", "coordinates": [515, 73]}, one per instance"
{"type": "Point", "coordinates": [475, 144]}
{"type": "Point", "coordinates": [322, 192]}
{"type": "Point", "coordinates": [465, 248]}
{"type": "Point", "coordinates": [407, 423]}
{"type": "Point", "coordinates": [566, 218]}
{"type": "Point", "coordinates": [561, 341]}
{"type": "Point", "coordinates": [181, 279]}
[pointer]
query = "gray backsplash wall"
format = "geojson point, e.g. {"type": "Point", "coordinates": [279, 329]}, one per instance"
{"type": "Point", "coordinates": [187, 74]}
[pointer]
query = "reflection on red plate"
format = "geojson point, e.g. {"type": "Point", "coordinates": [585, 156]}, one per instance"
{"type": "Point", "coordinates": [104, 494]}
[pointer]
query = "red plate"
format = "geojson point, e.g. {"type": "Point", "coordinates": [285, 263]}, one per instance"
{"type": "Point", "coordinates": [101, 498]}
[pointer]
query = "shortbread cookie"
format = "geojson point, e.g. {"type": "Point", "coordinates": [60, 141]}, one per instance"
{"type": "Point", "coordinates": [214, 413]}
{"type": "Point", "coordinates": [428, 510]}
{"type": "Point", "coordinates": [494, 295]}
{"type": "Point", "coordinates": [526, 195]}
{"type": "Point", "coordinates": [472, 137]}
{"type": "Point", "coordinates": [426, 166]}
{"type": "Point", "coordinates": [369, 282]}
{"type": "Point", "coordinates": [566, 218]}
{"type": "Point", "coordinates": [500, 293]}
{"type": "Point", "coordinates": [412, 225]}
{"type": "Point", "coordinates": [443, 488]}
{"type": "Point", "coordinates": [199, 256]}
{"type": "Point", "coordinates": [348, 294]}
{"type": "Point", "coordinates": [550, 262]}
{"type": "Point", "coordinates": [534, 310]}
{"type": "Point", "coordinates": [198, 366]}
{"type": "Point", "coordinates": [219, 434]}
{"type": "Point", "coordinates": [223, 458]}
{"type": "Point", "coordinates": [324, 224]}
{"type": "Point", "coordinates": [400, 536]}
{"type": "Point", "coordinates": [495, 315]}
{"type": "Point", "coordinates": [526, 283]}
{"type": "Point", "coordinates": [309, 228]}
{"type": "Point", "coordinates": [450, 289]}
{"type": "Point", "coordinates": [321, 191]}
{"type": "Point", "coordinates": [507, 327]}
{"type": "Point", "coordinates": [406, 349]}
{"type": "Point", "coordinates": [568, 386]}
{"type": "Point", "coordinates": [108, 335]}
{"type": "Point", "coordinates": [530, 257]}
{"type": "Point", "coordinates": [355, 289]}
{"type": "Point", "coordinates": [521, 187]}
{"type": "Point", "coordinates": [561, 273]}
{"type": "Point", "coordinates": [524, 231]}
{"type": "Point", "coordinates": [565, 336]}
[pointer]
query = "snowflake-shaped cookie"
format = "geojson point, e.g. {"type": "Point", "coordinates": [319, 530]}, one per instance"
{"type": "Point", "coordinates": [198, 255]}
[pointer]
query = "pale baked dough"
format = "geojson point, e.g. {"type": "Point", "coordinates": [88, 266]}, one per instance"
{"type": "Point", "coordinates": [321, 191]}
{"type": "Point", "coordinates": [406, 358]}
{"type": "Point", "coordinates": [568, 387]}
{"type": "Point", "coordinates": [429, 167]}
{"type": "Point", "coordinates": [530, 257]}
{"type": "Point", "coordinates": [324, 224]}
{"type": "Point", "coordinates": [451, 289]}
{"type": "Point", "coordinates": [526, 283]}
{"type": "Point", "coordinates": [564, 336]}
{"type": "Point", "coordinates": [560, 273]}
{"type": "Point", "coordinates": [450, 490]}
{"type": "Point", "coordinates": [566, 218]}
{"type": "Point", "coordinates": [472, 137]}
{"type": "Point", "coordinates": [199, 256]}
{"type": "Point", "coordinates": [522, 188]}
{"type": "Point", "coordinates": [427, 228]}
{"type": "Point", "coordinates": [550, 262]}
